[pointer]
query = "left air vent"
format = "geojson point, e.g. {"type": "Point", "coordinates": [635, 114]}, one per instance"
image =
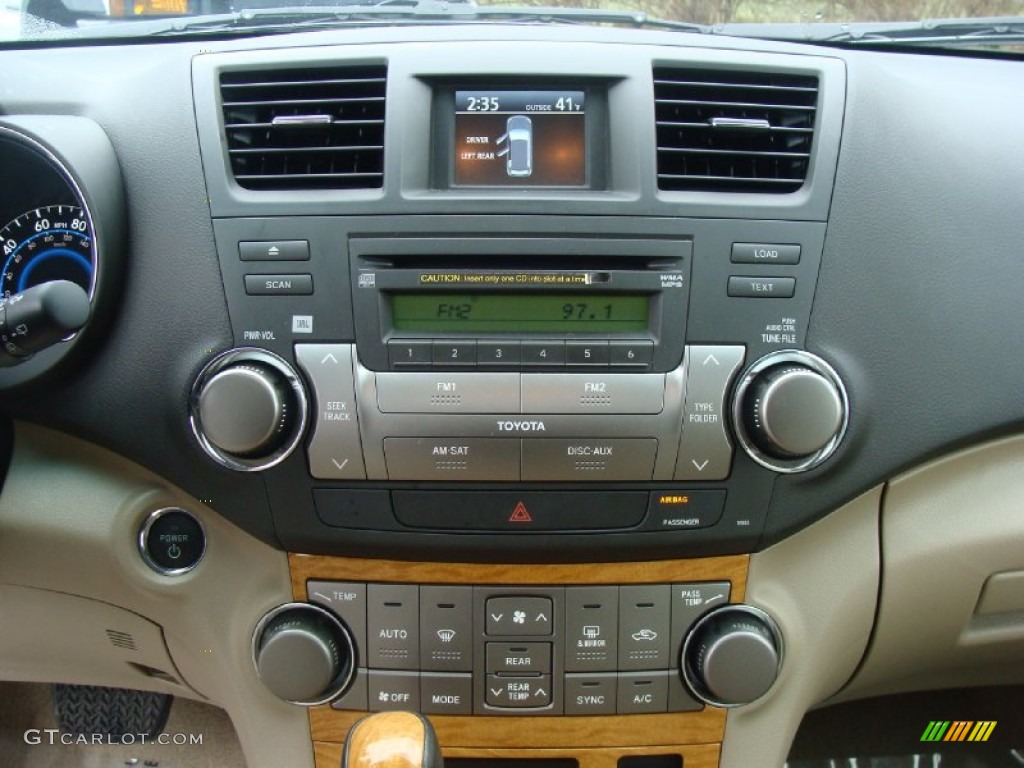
{"type": "Point", "coordinates": [318, 128]}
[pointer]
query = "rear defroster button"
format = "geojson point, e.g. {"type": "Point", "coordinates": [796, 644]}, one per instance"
{"type": "Point", "coordinates": [172, 541]}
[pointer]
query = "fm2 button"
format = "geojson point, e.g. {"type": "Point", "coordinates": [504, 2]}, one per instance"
{"type": "Point", "coordinates": [172, 541]}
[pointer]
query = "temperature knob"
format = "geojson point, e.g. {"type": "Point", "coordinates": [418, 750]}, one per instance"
{"type": "Point", "coordinates": [304, 654]}
{"type": "Point", "coordinates": [248, 409]}
{"type": "Point", "coordinates": [790, 411]}
{"type": "Point", "coordinates": [732, 656]}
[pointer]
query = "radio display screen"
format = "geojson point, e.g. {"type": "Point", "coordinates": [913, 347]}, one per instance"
{"type": "Point", "coordinates": [534, 138]}
{"type": "Point", "coordinates": [430, 312]}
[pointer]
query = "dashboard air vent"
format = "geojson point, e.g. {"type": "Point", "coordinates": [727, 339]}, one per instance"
{"type": "Point", "coordinates": [318, 128]}
{"type": "Point", "coordinates": [733, 130]}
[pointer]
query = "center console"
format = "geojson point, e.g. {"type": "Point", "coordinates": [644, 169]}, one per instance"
{"type": "Point", "coordinates": [518, 388]}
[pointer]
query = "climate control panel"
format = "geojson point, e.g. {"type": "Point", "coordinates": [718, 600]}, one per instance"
{"type": "Point", "coordinates": [519, 650]}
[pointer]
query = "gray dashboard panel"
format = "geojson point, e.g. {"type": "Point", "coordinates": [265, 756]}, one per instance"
{"type": "Point", "coordinates": [917, 296]}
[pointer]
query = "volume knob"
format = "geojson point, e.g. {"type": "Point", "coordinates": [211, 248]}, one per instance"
{"type": "Point", "coordinates": [248, 409]}
{"type": "Point", "coordinates": [790, 411]}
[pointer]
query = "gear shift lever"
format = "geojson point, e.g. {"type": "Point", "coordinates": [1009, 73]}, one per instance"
{"type": "Point", "coordinates": [392, 740]}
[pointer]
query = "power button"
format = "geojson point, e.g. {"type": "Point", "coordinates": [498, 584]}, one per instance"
{"type": "Point", "coordinates": [172, 541]}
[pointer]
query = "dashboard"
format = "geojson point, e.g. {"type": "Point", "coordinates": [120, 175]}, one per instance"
{"type": "Point", "coordinates": [598, 393]}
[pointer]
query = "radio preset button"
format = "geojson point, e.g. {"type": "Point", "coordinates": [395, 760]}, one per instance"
{"type": "Point", "coordinates": [417, 392]}
{"type": "Point", "coordinates": [498, 354]}
{"type": "Point", "coordinates": [632, 354]}
{"type": "Point", "coordinates": [469, 458]}
{"type": "Point", "coordinates": [589, 459]}
{"type": "Point", "coordinates": [335, 452]}
{"type": "Point", "coordinates": [454, 353]}
{"type": "Point", "coordinates": [543, 353]}
{"type": "Point", "coordinates": [410, 354]}
{"type": "Point", "coordinates": [572, 393]}
{"type": "Point", "coordinates": [586, 353]}
{"type": "Point", "coordinates": [705, 450]}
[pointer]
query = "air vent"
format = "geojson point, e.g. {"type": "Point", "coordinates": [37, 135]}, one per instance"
{"type": "Point", "coordinates": [121, 639]}
{"type": "Point", "coordinates": [319, 128]}
{"type": "Point", "coordinates": [733, 131]}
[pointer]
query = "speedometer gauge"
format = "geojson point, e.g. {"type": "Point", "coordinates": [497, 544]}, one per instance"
{"type": "Point", "coordinates": [48, 243]}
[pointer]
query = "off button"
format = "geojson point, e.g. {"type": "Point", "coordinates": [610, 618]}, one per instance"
{"type": "Point", "coordinates": [172, 541]}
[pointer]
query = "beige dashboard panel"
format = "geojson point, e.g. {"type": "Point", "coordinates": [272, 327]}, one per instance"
{"type": "Point", "coordinates": [69, 517]}
{"type": "Point", "coordinates": [821, 587]}
{"type": "Point", "coordinates": [946, 528]}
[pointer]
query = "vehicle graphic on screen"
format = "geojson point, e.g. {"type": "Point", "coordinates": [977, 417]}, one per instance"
{"type": "Point", "coordinates": [517, 146]}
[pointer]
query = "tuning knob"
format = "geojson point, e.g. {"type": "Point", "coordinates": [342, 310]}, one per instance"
{"type": "Point", "coordinates": [248, 409]}
{"type": "Point", "coordinates": [790, 411]}
{"type": "Point", "coordinates": [732, 656]}
{"type": "Point", "coordinates": [304, 654]}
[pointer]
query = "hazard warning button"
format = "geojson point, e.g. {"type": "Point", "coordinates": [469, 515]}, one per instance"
{"type": "Point", "coordinates": [520, 512]}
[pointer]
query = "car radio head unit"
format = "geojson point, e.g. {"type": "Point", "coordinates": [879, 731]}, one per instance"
{"type": "Point", "coordinates": [522, 303]}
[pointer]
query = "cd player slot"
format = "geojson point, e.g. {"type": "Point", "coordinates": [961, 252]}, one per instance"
{"type": "Point", "coordinates": [523, 262]}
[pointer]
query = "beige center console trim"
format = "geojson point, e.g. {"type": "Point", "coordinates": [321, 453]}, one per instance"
{"type": "Point", "coordinates": [820, 586]}
{"type": "Point", "coordinates": [948, 527]}
{"type": "Point", "coordinates": [69, 517]}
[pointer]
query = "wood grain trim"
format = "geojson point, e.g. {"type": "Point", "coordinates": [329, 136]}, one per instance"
{"type": "Point", "coordinates": [388, 740]}
{"type": "Point", "coordinates": [730, 568]}
{"type": "Point", "coordinates": [328, 755]}
{"type": "Point", "coordinates": [478, 732]}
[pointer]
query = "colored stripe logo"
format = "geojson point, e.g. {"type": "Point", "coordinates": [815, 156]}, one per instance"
{"type": "Point", "coordinates": [958, 730]}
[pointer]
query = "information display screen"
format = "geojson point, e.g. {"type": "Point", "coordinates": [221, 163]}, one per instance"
{"type": "Point", "coordinates": [520, 313]}
{"type": "Point", "coordinates": [520, 138]}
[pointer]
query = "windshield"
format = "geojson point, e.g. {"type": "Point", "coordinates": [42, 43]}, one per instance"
{"type": "Point", "coordinates": [932, 23]}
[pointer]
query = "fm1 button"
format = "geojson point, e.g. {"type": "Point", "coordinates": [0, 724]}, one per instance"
{"type": "Point", "coordinates": [172, 541]}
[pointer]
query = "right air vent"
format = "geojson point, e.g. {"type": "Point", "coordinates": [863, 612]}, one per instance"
{"type": "Point", "coordinates": [725, 130]}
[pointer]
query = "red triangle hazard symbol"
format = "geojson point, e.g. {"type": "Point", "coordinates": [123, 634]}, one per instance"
{"type": "Point", "coordinates": [520, 514]}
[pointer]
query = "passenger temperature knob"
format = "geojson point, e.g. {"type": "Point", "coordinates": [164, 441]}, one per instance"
{"type": "Point", "coordinates": [732, 656]}
{"type": "Point", "coordinates": [304, 654]}
{"type": "Point", "coordinates": [790, 411]}
{"type": "Point", "coordinates": [248, 409]}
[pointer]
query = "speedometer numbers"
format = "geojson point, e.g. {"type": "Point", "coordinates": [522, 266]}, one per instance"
{"type": "Point", "coordinates": [45, 244]}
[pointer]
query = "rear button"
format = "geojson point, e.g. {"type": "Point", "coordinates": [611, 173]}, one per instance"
{"type": "Point", "coordinates": [172, 541]}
